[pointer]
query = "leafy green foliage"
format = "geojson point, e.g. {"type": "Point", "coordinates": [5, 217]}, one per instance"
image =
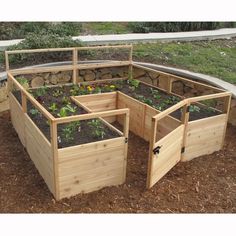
{"type": "Point", "coordinates": [23, 81]}
{"type": "Point", "coordinates": [146, 27]}
{"type": "Point", "coordinates": [97, 128]}
{"type": "Point", "coordinates": [133, 82]}
{"type": "Point", "coordinates": [66, 100]}
{"type": "Point", "coordinates": [53, 107]}
{"type": "Point", "coordinates": [34, 111]}
{"type": "Point", "coordinates": [57, 93]}
{"type": "Point", "coordinates": [63, 112]}
{"type": "Point", "coordinates": [69, 130]}
{"type": "Point", "coordinates": [155, 93]}
{"type": "Point", "coordinates": [194, 108]}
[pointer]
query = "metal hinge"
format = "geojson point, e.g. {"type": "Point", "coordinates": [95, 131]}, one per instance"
{"type": "Point", "coordinates": [126, 140]}
{"type": "Point", "coordinates": [156, 150]}
{"type": "Point", "coordinates": [182, 149]}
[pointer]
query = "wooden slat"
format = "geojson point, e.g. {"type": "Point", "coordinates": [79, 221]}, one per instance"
{"type": "Point", "coordinates": [204, 136]}
{"type": "Point", "coordinates": [169, 156]}
{"type": "Point", "coordinates": [90, 167]}
{"type": "Point", "coordinates": [39, 150]}
{"type": "Point", "coordinates": [17, 117]}
{"type": "Point", "coordinates": [91, 116]}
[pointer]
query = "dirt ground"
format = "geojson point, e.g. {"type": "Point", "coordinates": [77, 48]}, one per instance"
{"type": "Point", "coordinates": [205, 184]}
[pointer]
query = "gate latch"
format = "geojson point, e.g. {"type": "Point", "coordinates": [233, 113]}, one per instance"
{"type": "Point", "coordinates": [156, 150]}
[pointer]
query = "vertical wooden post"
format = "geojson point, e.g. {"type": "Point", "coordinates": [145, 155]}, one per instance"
{"type": "Point", "coordinates": [184, 121]}
{"type": "Point", "coordinates": [152, 142]}
{"type": "Point", "coordinates": [169, 84]}
{"type": "Point", "coordinates": [131, 63]}
{"type": "Point", "coordinates": [226, 109]}
{"type": "Point", "coordinates": [126, 135]}
{"type": "Point", "coordinates": [75, 62]}
{"type": "Point", "coordinates": [6, 61]}
{"type": "Point", "coordinates": [9, 84]}
{"type": "Point", "coordinates": [54, 144]}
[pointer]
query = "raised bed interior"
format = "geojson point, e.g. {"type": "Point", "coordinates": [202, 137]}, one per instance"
{"type": "Point", "coordinates": [72, 131]}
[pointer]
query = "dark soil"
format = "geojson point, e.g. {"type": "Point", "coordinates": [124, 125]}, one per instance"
{"type": "Point", "coordinates": [46, 97]}
{"type": "Point", "coordinates": [205, 185]}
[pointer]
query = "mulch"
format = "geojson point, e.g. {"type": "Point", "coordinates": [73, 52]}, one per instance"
{"type": "Point", "coordinates": [206, 184]}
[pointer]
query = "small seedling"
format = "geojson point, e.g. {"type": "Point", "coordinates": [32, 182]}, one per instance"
{"type": "Point", "coordinates": [133, 82]}
{"type": "Point", "coordinates": [57, 93]}
{"type": "Point", "coordinates": [75, 90]}
{"type": "Point", "coordinates": [97, 128]}
{"type": "Point", "coordinates": [194, 108]}
{"type": "Point", "coordinates": [66, 100]}
{"type": "Point", "coordinates": [53, 107]}
{"type": "Point", "coordinates": [34, 111]}
{"type": "Point", "coordinates": [63, 112]}
{"type": "Point", "coordinates": [67, 134]}
{"type": "Point", "coordinates": [70, 108]}
{"type": "Point", "coordinates": [155, 93]}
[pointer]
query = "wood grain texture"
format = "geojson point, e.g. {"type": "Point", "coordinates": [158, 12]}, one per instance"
{"type": "Point", "coordinates": [204, 136]}
{"type": "Point", "coordinates": [40, 152]}
{"type": "Point", "coordinates": [89, 167]}
{"type": "Point", "coordinates": [169, 156]}
{"type": "Point", "coordinates": [17, 118]}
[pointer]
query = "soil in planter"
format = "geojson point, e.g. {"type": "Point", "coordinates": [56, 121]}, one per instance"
{"type": "Point", "coordinates": [56, 99]}
{"type": "Point", "coordinates": [69, 134]}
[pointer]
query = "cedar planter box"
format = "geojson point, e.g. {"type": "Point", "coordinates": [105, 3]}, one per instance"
{"type": "Point", "coordinates": [74, 168]}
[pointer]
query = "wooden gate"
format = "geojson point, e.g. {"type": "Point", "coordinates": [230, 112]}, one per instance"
{"type": "Point", "coordinates": [165, 153]}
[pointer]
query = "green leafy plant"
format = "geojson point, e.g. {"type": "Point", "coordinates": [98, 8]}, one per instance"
{"type": "Point", "coordinates": [67, 134]}
{"type": "Point", "coordinates": [97, 128]}
{"type": "Point", "coordinates": [70, 108]}
{"type": "Point", "coordinates": [34, 111]}
{"type": "Point", "coordinates": [133, 82]}
{"type": "Point", "coordinates": [63, 112]}
{"type": "Point", "coordinates": [66, 100]}
{"type": "Point", "coordinates": [57, 93]}
{"type": "Point", "coordinates": [53, 107]}
{"type": "Point", "coordinates": [23, 81]}
{"type": "Point", "coordinates": [75, 90]}
{"type": "Point", "coordinates": [194, 108]}
{"type": "Point", "coordinates": [40, 91]}
{"type": "Point", "coordinates": [69, 130]}
{"type": "Point", "coordinates": [155, 93]}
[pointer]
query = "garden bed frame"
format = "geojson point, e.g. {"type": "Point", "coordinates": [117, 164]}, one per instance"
{"type": "Point", "coordinates": [88, 167]}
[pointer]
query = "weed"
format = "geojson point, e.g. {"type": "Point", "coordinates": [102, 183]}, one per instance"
{"type": "Point", "coordinates": [155, 93]}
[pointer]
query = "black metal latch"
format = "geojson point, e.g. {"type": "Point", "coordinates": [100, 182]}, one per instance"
{"type": "Point", "coordinates": [156, 150]}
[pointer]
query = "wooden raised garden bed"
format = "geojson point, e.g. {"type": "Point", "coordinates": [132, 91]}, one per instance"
{"type": "Point", "coordinates": [73, 134]}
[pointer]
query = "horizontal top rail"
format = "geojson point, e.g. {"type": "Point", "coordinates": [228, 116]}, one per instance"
{"type": "Point", "coordinates": [91, 115]}
{"type": "Point", "coordinates": [66, 49]}
{"type": "Point", "coordinates": [210, 96]}
{"type": "Point", "coordinates": [188, 101]}
{"type": "Point", "coordinates": [170, 110]}
{"type": "Point", "coordinates": [39, 50]}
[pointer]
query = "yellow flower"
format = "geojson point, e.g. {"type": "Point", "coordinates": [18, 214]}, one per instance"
{"type": "Point", "coordinates": [112, 86]}
{"type": "Point", "coordinates": [89, 88]}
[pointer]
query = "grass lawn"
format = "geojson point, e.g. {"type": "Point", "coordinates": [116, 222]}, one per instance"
{"type": "Point", "coordinates": [216, 58]}
{"type": "Point", "coordinates": [105, 28]}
